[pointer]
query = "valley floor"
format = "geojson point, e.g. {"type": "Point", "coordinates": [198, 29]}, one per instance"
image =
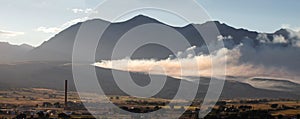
{"type": "Point", "coordinates": [48, 103]}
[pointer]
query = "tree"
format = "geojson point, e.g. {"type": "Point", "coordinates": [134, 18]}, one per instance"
{"type": "Point", "coordinates": [41, 114]}
{"type": "Point", "coordinates": [21, 116]}
{"type": "Point", "coordinates": [274, 105]}
{"type": "Point", "coordinates": [221, 103]}
{"type": "Point", "coordinates": [157, 108]}
{"type": "Point", "coordinates": [63, 116]}
{"type": "Point", "coordinates": [280, 116]}
{"type": "Point", "coordinates": [47, 116]}
{"type": "Point", "coordinates": [47, 104]}
{"type": "Point", "coordinates": [57, 105]}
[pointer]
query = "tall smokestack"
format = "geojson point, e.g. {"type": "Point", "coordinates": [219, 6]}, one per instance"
{"type": "Point", "coordinates": [66, 94]}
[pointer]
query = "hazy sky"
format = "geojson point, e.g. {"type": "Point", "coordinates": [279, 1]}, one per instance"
{"type": "Point", "coordinates": [35, 21]}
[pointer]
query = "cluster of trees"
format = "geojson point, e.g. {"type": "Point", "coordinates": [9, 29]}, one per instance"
{"type": "Point", "coordinates": [246, 111]}
{"type": "Point", "coordinates": [145, 103]}
{"type": "Point", "coordinates": [42, 115]}
{"type": "Point", "coordinates": [140, 110]}
{"type": "Point", "coordinates": [48, 104]}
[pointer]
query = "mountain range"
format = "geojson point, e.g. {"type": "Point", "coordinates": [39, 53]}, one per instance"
{"type": "Point", "coordinates": [60, 46]}
{"type": "Point", "coordinates": [11, 53]}
{"type": "Point", "coordinates": [48, 64]}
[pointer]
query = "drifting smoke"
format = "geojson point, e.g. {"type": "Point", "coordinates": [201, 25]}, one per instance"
{"type": "Point", "coordinates": [279, 39]}
{"type": "Point", "coordinates": [189, 66]}
{"type": "Point", "coordinates": [278, 57]}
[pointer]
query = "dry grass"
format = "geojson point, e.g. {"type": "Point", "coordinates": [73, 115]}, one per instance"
{"type": "Point", "coordinates": [287, 112]}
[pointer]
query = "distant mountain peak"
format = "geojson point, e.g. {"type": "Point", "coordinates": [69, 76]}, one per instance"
{"type": "Point", "coordinates": [215, 22]}
{"type": "Point", "coordinates": [143, 17]}
{"type": "Point", "coordinates": [11, 53]}
{"type": "Point", "coordinates": [282, 30]}
{"type": "Point", "coordinates": [22, 45]}
{"type": "Point", "coordinates": [26, 46]}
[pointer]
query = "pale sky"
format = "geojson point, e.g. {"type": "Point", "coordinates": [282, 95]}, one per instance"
{"type": "Point", "coordinates": [35, 21]}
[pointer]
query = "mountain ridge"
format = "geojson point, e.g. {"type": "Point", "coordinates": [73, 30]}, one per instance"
{"type": "Point", "coordinates": [60, 45]}
{"type": "Point", "coordinates": [10, 53]}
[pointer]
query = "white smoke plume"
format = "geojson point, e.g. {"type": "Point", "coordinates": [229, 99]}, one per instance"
{"type": "Point", "coordinates": [243, 60]}
{"type": "Point", "coordinates": [279, 39]}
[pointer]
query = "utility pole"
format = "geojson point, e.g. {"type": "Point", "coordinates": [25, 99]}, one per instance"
{"type": "Point", "coordinates": [66, 94]}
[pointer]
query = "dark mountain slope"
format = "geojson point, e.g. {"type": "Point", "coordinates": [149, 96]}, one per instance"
{"type": "Point", "coordinates": [53, 74]}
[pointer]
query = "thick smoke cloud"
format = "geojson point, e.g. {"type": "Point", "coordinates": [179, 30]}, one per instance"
{"type": "Point", "coordinates": [278, 57]}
